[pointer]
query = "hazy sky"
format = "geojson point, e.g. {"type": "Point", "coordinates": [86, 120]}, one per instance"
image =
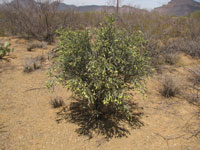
{"type": "Point", "coordinates": [141, 3]}
{"type": "Point", "coordinates": [148, 4]}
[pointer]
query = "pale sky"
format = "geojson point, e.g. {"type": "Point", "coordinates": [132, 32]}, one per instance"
{"type": "Point", "coordinates": [149, 4]}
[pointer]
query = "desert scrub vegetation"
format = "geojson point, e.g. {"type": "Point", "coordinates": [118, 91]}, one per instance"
{"type": "Point", "coordinates": [4, 49]}
{"type": "Point", "coordinates": [101, 72]}
{"type": "Point", "coordinates": [36, 44]}
{"type": "Point", "coordinates": [170, 87]}
{"type": "Point", "coordinates": [33, 19]}
{"type": "Point", "coordinates": [2, 29]}
{"type": "Point", "coordinates": [188, 46]}
{"type": "Point", "coordinates": [195, 75]}
{"type": "Point", "coordinates": [40, 19]}
{"type": "Point", "coordinates": [193, 94]}
{"type": "Point", "coordinates": [32, 64]}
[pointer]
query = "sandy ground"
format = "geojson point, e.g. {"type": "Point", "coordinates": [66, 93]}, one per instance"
{"type": "Point", "coordinates": [28, 122]}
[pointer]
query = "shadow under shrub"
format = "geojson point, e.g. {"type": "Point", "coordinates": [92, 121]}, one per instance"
{"type": "Point", "coordinates": [111, 123]}
{"type": "Point", "coordinates": [101, 69]}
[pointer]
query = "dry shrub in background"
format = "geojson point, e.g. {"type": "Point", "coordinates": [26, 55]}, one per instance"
{"type": "Point", "coordinates": [193, 96]}
{"type": "Point", "coordinates": [36, 44]}
{"type": "Point", "coordinates": [195, 75]}
{"type": "Point", "coordinates": [34, 19]}
{"type": "Point", "coordinates": [32, 64]}
{"type": "Point", "coordinates": [40, 19]}
{"type": "Point", "coordinates": [170, 87]}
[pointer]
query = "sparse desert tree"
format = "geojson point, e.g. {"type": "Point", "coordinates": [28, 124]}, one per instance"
{"type": "Point", "coordinates": [101, 69]}
{"type": "Point", "coordinates": [34, 19]}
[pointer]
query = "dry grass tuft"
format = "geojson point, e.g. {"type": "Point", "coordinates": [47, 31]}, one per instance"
{"type": "Point", "coordinates": [32, 64]}
{"type": "Point", "coordinates": [57, 102]}
{"type": "Point", "coordinates": [170, 88]}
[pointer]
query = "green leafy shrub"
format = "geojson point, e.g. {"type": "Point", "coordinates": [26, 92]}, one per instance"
{"type": "Point", "coordinates": [101, 68]}
{"type": "Point", "coordinates": [5, 50]}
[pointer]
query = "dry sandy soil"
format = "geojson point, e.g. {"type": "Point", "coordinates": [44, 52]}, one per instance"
{"type": "Point", "coordinates": [28, 122]}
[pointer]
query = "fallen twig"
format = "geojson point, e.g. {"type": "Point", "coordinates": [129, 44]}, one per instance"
{"type": "Point", "coordinates": [34, 89]}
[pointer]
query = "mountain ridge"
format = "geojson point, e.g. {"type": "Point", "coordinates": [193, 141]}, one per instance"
{"type": "Point", "coordinates": [174, 7]}
{"type": "Point", "coordinates": [179, 7]}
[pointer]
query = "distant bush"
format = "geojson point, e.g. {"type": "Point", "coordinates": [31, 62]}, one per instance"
{"type": "Point", "coordinates": [193, 96]}
{"type": "Point", "coordinates": [171, 58]}
{"type": "Point", "coordinates": [2, 29]}
{"type": "Point", "coordinates": [4, 49]}
{"type": "Point", "coordinates": [101, 71]}
{"type": "Point", "coordinates": [34, 45]}
{"type": "Point", "coordinates": [35, 19]}
{"type": "Point", "coordinates": [162, 54]}
{"type": "Point", "coordinates": [170, 87]}
{"type": "Point", "coordinates": [191, 47]}
{"type": "Point", "coordinates": [195, 75]}
{"type": "Point", "coordinates": [188, 46]}
{"type": "Point", "coordinates": [32, 64]}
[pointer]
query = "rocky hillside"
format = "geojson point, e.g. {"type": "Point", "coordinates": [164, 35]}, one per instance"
{"type": "Point", "coordinates": [179, 7]}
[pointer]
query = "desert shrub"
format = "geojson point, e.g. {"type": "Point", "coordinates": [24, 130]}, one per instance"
{"type": "Point", "coordinates": [170, 87]}
{"type": "Point", "coordinates": [2, 29]}
{"type": "Point", "coordinates": [154, 51]}
{"type": "Point", "coordinates": [191, 47]}
{"type": "Point", "coordinates": [34, 45]}
{"type": "Point", "coordinates": [162, 54]}
{"type": "Point", "coordinates": [57, 102]}
{"type": "Point", "coordinates": [171, 58]}
{"type": "Point", "coordinates": [193, 96]}
{"type": "Point", "coordinates": [188, 46]}
{"type": "Point", "coordinates": [34, 19]}
{"type": "Point", "coordinates": [195, 75]}
{"type": "Point", "coordinates": [169, 53]}
{"type": "Point", "coordinates": [4, 49]}
{"type": "Point", "coordinates": [193, 25]}
{"type": "Point", "coordinates": [32, 64]}
{"type": "Point", "coordinates": [101, 71]}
